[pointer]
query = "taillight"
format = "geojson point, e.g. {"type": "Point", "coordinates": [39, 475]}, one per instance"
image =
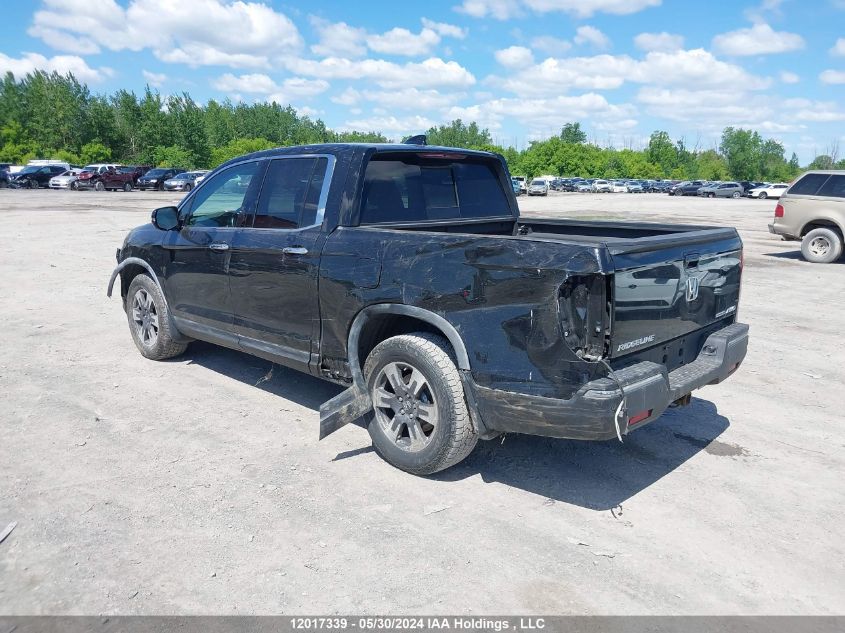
{"type": "Point", "coordinates": [779, 211]}
{"type": "Point", "coordinates": [583, 317]}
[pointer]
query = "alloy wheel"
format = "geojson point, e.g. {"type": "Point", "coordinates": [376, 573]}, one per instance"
{"type": "Point", "coordinates": [145, 317]}
{"type": "Point", "coordinates": [405, 407]}
{"type": "Point", "coordinates": [820, 246]}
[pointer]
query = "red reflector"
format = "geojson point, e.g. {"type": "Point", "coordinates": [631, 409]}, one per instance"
{"type": "Point", "coordinates": [443, 155]}
{"type": "Point", "coordinates": [779, 211]}
{"type": "Point", "coordinates": [639, 417]}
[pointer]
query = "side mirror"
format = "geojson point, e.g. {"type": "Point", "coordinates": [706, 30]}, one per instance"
{"type": "Point", "coordinates": [166, 218]}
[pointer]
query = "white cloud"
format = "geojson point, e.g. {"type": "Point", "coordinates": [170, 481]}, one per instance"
{"type": "Point", "coordinates": [348, 97]}
{"type": "Point", "coordinates": [445, 30]}
{"type": "Point", "coordinates": [832, 77]}
{"type": "Point", "coordinates": [338, 38]}
{"type": "Point", "coordinates": [258, 83]}
{"type": "Point", "coordinates": [591, 35]}
{"type": "Point", "coordinates": [154, 79]}
{"type": "Point", "coordinates": [499, 9]}
{"type": "Point", "coordinates": [399, 41]}
{"type": "Point", "coordinates": [426, 74]}
{"type": "Point", "coordinates": [789, 77]}
{"type": "Point", "coordinates": [412, 99]}
{"type": "Point", "coordinates": [697, 67]}
{"type": "Point", "coordinates": [399, 126]}
{"type": "Point", "coordinates": [838, 49]}
{"type": "Point", "coordinates": [760, 39]}
{"type": "Point", "coordinates": [200, 33]}
{"type": "Point", "coordinates": [820, 111]}
{"type": "Point", "coordinates": [515, 57]}
{"type": "Point", "coordinates": [764, 11]}
{"type": "Point", "coordinates": [553, 46]}
{"type": "Point", "coordinates": [63, 41]}
{"type": "Point", "coordinates": [507, 9]}
{"type": "Point", "coordinates": [662, 41]}
{"type": "Point", "coordinates": [62, 64]}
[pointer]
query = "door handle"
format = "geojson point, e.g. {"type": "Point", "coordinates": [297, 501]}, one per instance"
{"type": "Point", "coordinates": [219, 246]}
{"type": "Point", "coordinates": [295, 250]}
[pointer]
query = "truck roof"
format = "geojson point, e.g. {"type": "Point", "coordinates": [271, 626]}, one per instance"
{"type": "Point", "coordinates": [341, 148]}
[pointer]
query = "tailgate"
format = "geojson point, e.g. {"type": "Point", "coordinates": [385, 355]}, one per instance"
{"type": "Point", "coordinates": [667, 287]}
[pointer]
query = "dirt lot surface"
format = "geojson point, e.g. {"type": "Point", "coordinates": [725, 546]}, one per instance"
{"type": "Point", "coordinates": [199, 486]}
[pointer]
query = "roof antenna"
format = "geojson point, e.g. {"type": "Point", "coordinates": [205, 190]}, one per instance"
{"type": "Point", "coordinates": [419, 139]}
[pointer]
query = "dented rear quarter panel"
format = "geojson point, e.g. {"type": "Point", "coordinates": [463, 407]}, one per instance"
{"type": "Point", "coordinates": [499, 293]}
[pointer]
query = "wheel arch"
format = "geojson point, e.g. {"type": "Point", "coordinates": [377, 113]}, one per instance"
{"type": "Point", "coordinates": [822, 223]}
{"type": "Point", "coordinates": [128, 269]}
{"type": "Point", "coordinates": [378, 322]}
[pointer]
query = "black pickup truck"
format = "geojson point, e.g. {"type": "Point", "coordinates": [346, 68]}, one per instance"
{"type": "Point", "coordinates": [405, 273]}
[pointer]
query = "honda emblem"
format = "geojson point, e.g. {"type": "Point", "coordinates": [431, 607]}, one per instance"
{"type": "Point", "coordinates": [692, 289]}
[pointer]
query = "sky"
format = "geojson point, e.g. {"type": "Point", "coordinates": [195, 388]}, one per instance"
{"type": "Point", "coordinates": [521, 68]}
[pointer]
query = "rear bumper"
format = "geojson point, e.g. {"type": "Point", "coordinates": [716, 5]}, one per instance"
{"type": "Point", "coordinates": [783, 231]}
{"type": "Point", "coordinates": [592, 412]}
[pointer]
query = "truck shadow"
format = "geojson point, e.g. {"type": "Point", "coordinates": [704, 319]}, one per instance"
{"type": "Point", "coordinates": [599, 475]}
{"type": "Point", "coordinates": [303, 389]}
{"type": "Point", "coordinates": [594, 475]}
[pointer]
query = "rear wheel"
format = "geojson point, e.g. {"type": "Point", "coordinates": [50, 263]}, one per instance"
{"type": "Point", "coordinates": [149, 320]}
{"type": "Point", "coordinates": [420, 423]}
{"type": "Point", "coordinates": [127, 186]}
{"type": "Point", "coordinates": [822, 246]}
{"type": "Point", "coordinates": [735, 195]}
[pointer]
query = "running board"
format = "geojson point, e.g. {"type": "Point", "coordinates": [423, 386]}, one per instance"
{"type": "Point", "coordinates": [344, 408]}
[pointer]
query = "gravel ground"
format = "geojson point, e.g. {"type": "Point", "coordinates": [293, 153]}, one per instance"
{"type": "Point", "coordinates": [199, 486]}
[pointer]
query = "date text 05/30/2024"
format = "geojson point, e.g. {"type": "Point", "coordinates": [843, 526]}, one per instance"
{"type": "Point", "coordinates": [418, 623]}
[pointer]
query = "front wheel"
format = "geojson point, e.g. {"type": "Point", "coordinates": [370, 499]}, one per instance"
{"type": "Point", "coordinates": [127, 186]}
{"type": "Point", "coordinates": [188, 187]}
{"type": "Point", "coordinates": [763, 195]}
{"type": "Point", "coordinates": [420, 423]}
{"type": "Point", "coordinates": [821, 246]}
{"type": "Point", "coordinates": [99, 186]}
{"type": "Point", "coordinates": [74, 186]}
{"type": "Point", "coordinates": [149, 320]}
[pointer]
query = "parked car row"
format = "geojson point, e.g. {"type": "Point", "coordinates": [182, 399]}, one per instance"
{"type": "Point", "coordinates": [100, 177]}
{"type": "Point", "coordinates": [729, 189]}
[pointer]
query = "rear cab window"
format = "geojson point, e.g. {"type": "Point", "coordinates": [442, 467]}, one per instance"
{"type": "Point", "coordinates": [419, 187]}
{"type": "Point", "coordinates": [808, 185]}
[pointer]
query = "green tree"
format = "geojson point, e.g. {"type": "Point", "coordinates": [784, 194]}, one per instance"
{"type": "Point", "coordinates": [742, 150]}
{"type": "Point", "coordinates": [662, 152]}
{"type": "Point", "coordinates": [238, 147]}
{"type": "Point", "coordinates": [822, 161]}
{"type": "Point", "coordinates": [572, 133]}
{"type": "Point", "coordinates": [458, 134]}
{"type": "Point", "coordinates": [94, 152]}
{"type": "Point", "coordinates": [173, 156]}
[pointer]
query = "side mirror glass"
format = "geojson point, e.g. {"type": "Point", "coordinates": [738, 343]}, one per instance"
{"type": "Point", "coordinates": [166, 218]}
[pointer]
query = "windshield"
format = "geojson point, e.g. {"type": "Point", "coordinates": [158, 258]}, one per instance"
{"type": "Point", "coordinates": [126, 170]}
{"type": "Point", "coordinates": [539, 183]}
{"type": "Point", "coordinates": [31, 169]}
{"type": "Point", "coordinates": [155, 173]}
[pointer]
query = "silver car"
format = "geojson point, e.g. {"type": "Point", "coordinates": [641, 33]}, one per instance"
{"type": "Point", "coordinates": [722, 190]}
{"type": "Point", "coordinates": [538, 187]}
{"type": "Point", "coordinates": [65, 180]}
{"type": "Point", "coordinates": [183, 182]}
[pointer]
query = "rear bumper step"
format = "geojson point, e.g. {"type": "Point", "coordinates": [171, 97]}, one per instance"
{"type": "Point", "coordinates": [647, 388]}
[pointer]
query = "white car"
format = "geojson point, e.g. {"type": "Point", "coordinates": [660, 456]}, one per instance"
{"type": "Point", "coordinates": [617, 186]}
{"type": "Point", "coordinates": [539, 187]}
{"type": "Point", "coordinates": [202, 174]}
{"type": "Point", "coordinates": [769, 191]}
{"type": "Point", "coordinates": [65, 180]}
{"type": "Point", "coordinates": [602, 186]}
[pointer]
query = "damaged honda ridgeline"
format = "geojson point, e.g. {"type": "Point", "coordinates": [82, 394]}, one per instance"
{"type": "Point", "coordinates": [404, 273]}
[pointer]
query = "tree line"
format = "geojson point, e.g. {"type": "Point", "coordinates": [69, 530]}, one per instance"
{"type": "Point", "coordinates": [48, 115]}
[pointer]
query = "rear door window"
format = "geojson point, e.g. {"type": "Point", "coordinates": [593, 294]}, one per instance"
{"type": "Point", "coordinates": [414, 187]}
{"type": "Point", "coordinates": [291, 193]}
{"type": "Point", "coordinates": [809, 184]}
{"type": "Point", "coordinates": [834, 187]}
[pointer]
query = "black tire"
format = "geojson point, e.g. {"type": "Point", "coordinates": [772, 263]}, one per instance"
{"type": "Point", "coordinates": [452, 437]}
{"type": "Point", "coordinates": [99, 186]}
{"type": "Point", "coordinates": [31, 184]}
{"type": "Point", "coordinates": [711, 195]}
{"type": "Point", "coordinates": [188, 187]}
{"type": "Point", "coordinates": [159, 344]}
{"type": "Point", "coordinates": [736, 195]}
{"type": "Point", "coordinates": [160, 187]}
{"type": "Point", "coordinates": [127, 187]}
{"type": "Point", "coordinates": [763, 195]}
{"type": "Point", "coordinates": [822, 246]}
{"type": "Point", "coordinates": [74, 186]}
